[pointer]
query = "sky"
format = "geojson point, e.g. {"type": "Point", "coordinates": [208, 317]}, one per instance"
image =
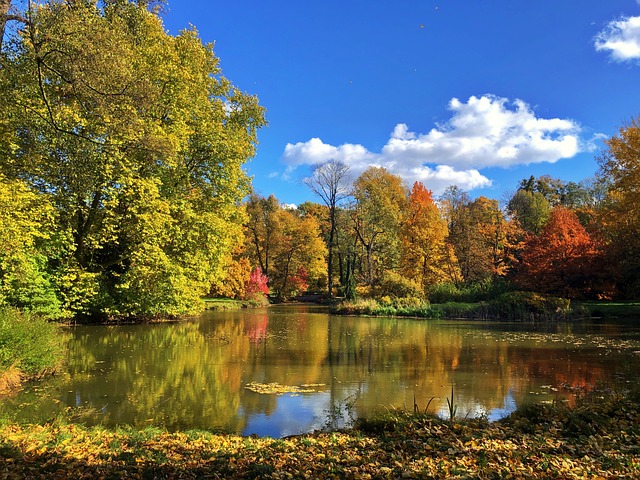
{"type": "Point", "coordinates": [475, 93]}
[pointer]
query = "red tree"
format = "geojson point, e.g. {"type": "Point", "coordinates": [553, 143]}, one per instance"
{"type": "Point", "coordinates": [257, 284]}
{"type": "Point", "coordinates": [564, 259]}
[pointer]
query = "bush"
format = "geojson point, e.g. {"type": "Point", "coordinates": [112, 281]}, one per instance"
{"type": "Point", "coordinates": [365, 306]}
{"type": "Point", "coordinates": [482, 290]}
{"type": "Point", "coordinates": [398, 286]}
{"type": "Point", "coordinates": [28, 343]}
{"type": "Point", "coordinates": [529, 306]}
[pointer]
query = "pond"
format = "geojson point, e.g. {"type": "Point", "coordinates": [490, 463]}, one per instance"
{"type": "Point", "coordinates": [291, 369]}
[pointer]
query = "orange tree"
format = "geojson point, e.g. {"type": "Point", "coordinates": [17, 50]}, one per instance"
{"type": "Point", "coordinates": [423, 234]}
{"type": "Point", "coordinates": [564, 259]}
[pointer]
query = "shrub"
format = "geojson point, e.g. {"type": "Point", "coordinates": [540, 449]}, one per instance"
{"type": "Point", "coordinates": [398, 286]}
{"type": "Point", "coordinates": [256, 287]}
{"type": "Point", "coordinates": [529, 306]}
{"type": "Point", "coordinates": [28, 342]}
{"type": "Point", "coordinates": [482, 290]}
{"type": "Point", "coordinates": [364, 306]}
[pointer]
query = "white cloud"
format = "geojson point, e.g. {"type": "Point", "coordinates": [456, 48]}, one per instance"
{"type": "Point", "coordinates": [621, 39]}
{"type": "Point", "coordinates": [485, 131]}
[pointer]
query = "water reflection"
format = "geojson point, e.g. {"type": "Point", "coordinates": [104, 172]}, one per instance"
{"type": "Point", "coordinates": [194, 374]}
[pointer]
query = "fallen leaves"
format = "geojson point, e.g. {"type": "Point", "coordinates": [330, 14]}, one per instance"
{"type": "Point", "coordinates": [279, 389]}
{"type": "Point", "coordinates": [547, 442]}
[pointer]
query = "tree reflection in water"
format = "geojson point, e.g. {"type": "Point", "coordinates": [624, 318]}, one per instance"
{"type": "Point", "coordinates": [193, 374]}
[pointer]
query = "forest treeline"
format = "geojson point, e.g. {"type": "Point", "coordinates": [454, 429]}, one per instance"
{"type": "Point", "coordinates": [123, 193]}
{"type": "Point", "coordinates": [566, 239]}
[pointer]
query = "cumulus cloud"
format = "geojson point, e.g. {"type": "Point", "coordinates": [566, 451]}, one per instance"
{"type": "Point", "coordinates": [485, 131]}
{"type": "Point", "coordinates": [621, 39]}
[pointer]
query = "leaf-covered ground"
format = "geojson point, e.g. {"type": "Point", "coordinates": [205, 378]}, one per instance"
{"type": "Point", "coordinates": [599, 438]}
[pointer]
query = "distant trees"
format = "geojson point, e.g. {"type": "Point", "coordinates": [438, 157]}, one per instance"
{"type": "Point", "coordinates": [286, 245]}
{"type": "Point", "coordinates": [330, 182]}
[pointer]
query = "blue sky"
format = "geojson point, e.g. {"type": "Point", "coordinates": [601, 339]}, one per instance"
{"type": "Point", "coordinates": [477, 93]}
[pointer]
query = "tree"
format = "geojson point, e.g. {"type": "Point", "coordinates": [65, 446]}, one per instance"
{"type": "Point", "coordinates": [423, 234]}
{"type": "Point", "coordinates": [7, 14]}
{"type": "Point", "coordinates": [140, 142]}
{"type": "Point", "coordinates": [262, 229]}
{"type": "Point", "coordinates": [27, 242]}
{"type": "Point", "coordinates": [531, 209]}
{"type": "Point", "coordinates": [563, 259]}
{"type": "Point", "coordinates": [299, 254]}
{"type": "Point", "coordinates": [620, 167]}
{"type": "Point", "coordinates": [483, 241]}
{"type": "Point", "coordinates": [281, 241]}
{"type": "Point", "coordinates": [380, 200]}
{"type": "Point", "coordinates": [237, 270]}
{"type": "Point", "coordinates": [330, 182]}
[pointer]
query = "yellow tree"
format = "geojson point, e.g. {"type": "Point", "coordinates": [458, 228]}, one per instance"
{"type": "Point", "coordinates": [286, 244]}
{"type": "Point", "coordinates": [620, 166]}
{"type": "Point", "coordinates": [423, 235]}
{"type": "Point", "coordinates": [381, 198]}
{"type": "Point", "coordinates": [299, 254]}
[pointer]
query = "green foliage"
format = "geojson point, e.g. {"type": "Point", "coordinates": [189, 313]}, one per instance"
{"type": "Point", "coordinates": [529, 306]}
{"type": "Point", "coordinates": [26, 239]}
{"type": "Point", "coordinates": [474, 292]}
{"type": "Point", "coordinates": [28, 342]}
{"type": "Point", "coordinates": [531, 209]}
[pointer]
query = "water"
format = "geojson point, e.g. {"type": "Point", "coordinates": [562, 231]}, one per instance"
{"type": "Point", "coordinates": [217, 372]}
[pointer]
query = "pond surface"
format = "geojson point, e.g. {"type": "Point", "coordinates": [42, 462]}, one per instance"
{"type": "Point", "coordinates": [291, 369]}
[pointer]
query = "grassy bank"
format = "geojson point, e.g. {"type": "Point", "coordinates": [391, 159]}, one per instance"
{"type": "Point", "coordinates": [233, 304]}
{"type": "Point", "coordinates": [613, 309]}
{"type": "Point", "coordinates": [511, 306]}
{"type": "Point", "coordinates": [598, 438]}
{"type": "Point", "coordinates": [29, 347]}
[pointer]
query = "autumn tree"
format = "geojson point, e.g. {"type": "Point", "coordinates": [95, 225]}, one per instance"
{"type": "Point", "coordinates": [620, 167]}
{"type": "Point", "coordinates": [330, 182]}
{"type": "Point", "coordinates": [423, 235]}
{"type": "Point", "coordinates": [281, 242]}
{"type": "Point", "coordinates": [262, 228]}
{"type": "Point", "coordinates": [237, 273]}
{"type": "Point", "coordinates": [483, 241]}
{"type": "Point", "coordinates": [563, 259]}
{"type": "Point", "coordinates": [299, 254]}
{"type": "Point", "coordinates": [380, 201]}
{"type": "Point", "coordinates": [139, 141]}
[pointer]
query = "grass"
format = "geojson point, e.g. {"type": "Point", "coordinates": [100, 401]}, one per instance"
{"type": "Point", "coordinates": [598, 437]}
{"type": "Point", "coordinates": [29, 344]}
{"type": "Point", "coordinates": [234, 304]}
{"type": "Point", "coordinates": [613, 309]}
{"type": "Point", "coordinates": [509, 306]}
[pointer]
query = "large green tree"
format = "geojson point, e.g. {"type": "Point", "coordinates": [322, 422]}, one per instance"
{"type": "Point", "coordinates": [139, 142]}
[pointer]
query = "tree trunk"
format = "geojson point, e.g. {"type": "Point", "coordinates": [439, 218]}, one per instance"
{"type": "Point", "coordinates": [4, 10]}
{"type": "Point", "coordinates": [332, 234]}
